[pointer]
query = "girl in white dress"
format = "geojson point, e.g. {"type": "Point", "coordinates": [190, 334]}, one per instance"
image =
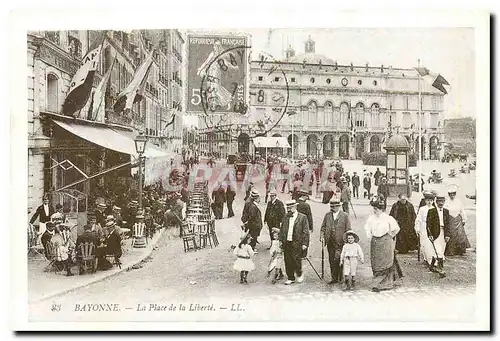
{"type": "Point", "coordinates": [244, 254]}
{"type": "Point", "coordinates": [276, 262]}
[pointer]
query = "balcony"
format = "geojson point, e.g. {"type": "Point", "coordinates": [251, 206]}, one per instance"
{"type": "Point", "coordinates": [120, 119]}
{"type": "Point", "coordinates": [53, 36]}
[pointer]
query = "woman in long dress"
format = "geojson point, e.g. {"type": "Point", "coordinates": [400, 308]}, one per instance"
{"type": "Point", "coordinates": [382, 229]}
{"type": "Point", "coordinates": [217, 96]}
{"type": "Point", "coordinates": [426, 246]}
{"type": "Point", "coordinates": [458, 242]}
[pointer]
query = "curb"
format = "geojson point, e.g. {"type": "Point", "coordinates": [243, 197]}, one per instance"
{"type": "Point", "coordinates": [105, 275]}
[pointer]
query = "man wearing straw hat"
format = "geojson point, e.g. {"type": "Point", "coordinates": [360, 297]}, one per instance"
{"type": "Point", "coordinates": [252, 218]}
{"type": "Point", "coordinates": [294, 236]}
{"type": "Point", "coordinates": [335, 224]}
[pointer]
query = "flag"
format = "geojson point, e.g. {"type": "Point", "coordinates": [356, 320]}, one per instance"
{"type": "Point", "coordinates": [95, 111]}
{"type": "Point", "coordinates": [133, 92]}
{"type": "Point", "coordinates": [434, 79]}
{"type": "Point", "coordinates": [174, 114]}
{"type": "Point", "coordinates": [80, 87]}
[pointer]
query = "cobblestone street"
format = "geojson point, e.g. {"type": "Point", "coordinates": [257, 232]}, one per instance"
{"type": "Point", "coordinates": [170, 275]}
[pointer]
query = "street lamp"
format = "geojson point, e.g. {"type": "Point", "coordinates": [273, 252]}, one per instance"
{"type": "Point", "coordinates": [140, 147]}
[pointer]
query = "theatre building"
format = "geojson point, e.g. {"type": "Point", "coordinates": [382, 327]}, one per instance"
{"type": "Point", "coordinates": [342, 111]}
{"type": "Point", "coordinates": [77, 159]}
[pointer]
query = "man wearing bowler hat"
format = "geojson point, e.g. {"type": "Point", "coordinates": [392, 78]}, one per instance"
{"type": "Point", "coordinates": [294, 236]}
{"type": "Point", "coordinates": [275, 212]}
{"type": "Point", "coordinates": [252, 218]}
{"type": "Point", "coordinates": [335, 224]}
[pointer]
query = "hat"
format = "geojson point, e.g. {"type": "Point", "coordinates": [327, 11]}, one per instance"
{"type": "Point", "coordinates": [335, 202]}
{"type": "Point", "coordinates": [452, 188]}
{"type": "Point", "coordinates": [440, 197]}
{"type": "Point", "coordinates": [275, 230]}
{"type": "Point", "coordinates": [380, 204]}
{"type": "Point", "coordinates": [254, 194]}
{"type": "Point", "coordinates": [272, 192]}
{"type": "Point", "coordinates": [135, 202]}
{"type": "Point", "coordinates": [428, 195]}
{"type": "Point", "coordinates": [116, 208]}
{"type": "Point", "coordinates": [101, 205]}
{"type": "Point", "coordinates": [110, 223]}
{"type": "Point", "coordinates": [352, 233]}
{"type": "Point", "coordinates": [290, 203]}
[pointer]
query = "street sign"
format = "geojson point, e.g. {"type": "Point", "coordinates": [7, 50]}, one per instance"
{"type": "Point", "coordinates": [217, 74]}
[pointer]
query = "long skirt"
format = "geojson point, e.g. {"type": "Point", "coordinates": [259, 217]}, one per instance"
{"type": "Point", "coordinates": [458, 242]}
{"type": "Point", "coordinates": [385, 273]}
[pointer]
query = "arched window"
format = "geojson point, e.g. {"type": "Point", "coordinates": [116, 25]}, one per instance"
{"type": "Point", "coordinates": [52, 93]}
{"type": "Point", "coordinates": [312, 114]}
{"type": "Point", "coordinates": [375, 112]}
{"type": "Point", "coordinates": [328, 116]}
{"type": "Point", "coordinates": [360, 115]}
{"type": "Point", "coordinates": [344, 113]}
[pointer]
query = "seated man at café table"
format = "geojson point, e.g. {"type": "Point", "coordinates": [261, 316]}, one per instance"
{"type": "Point", "coordinates": [89, 236]}
{"type": "Point", "coordinates": [111, 245]}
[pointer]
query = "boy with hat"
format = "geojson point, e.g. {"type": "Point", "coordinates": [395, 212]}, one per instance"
{"type": "Point", "coordinates": [349, 257]}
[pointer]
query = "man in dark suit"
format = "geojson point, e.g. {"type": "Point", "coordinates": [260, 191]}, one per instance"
{"type": "Point", "coordinates": [219, 198]}
{"type": "Point", "coordinates": [438, 232]}
{"type": "Point", "coordinates": [47, 236]}
{"type": "Point", "coordinates": [355, 185]}
{"type": "Point", "coordinates": [304, 208]}
{"type": "Point", "coordinates": [275, 212]}
{"type": "Point", "coordinates": [100, 215]}
{"type": "Point", "coordinates": [252, 218]}
{"type": "Point", "coordinates": [88, 236]}
{"type": "Point", "coordinates": [367, 185]}
{"type": "Point", "coordinates": [335, 224]}
{"type": "Point", "coordinates": [230, 195]}
{"type": "Point", "coordinates": [43, 212]}
{"type": "Point", "coordinates": [294, 236]}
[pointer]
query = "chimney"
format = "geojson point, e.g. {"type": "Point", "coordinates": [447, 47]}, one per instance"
{"type": "Point", "coordinates": [366, 67]}
{"type": "Point", "coordinates": [382, 68]}
{"type": "Point", "coordinates": [352, 67]}
{"type": "Point", "coordinates": [336, 65]}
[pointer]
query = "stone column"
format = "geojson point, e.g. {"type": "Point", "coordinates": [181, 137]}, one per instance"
{"type": "Point", "coordinates": [336, 146]}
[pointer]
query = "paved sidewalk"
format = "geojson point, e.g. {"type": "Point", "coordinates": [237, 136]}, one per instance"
{"type": "Point", "coordinates": [44, 285]}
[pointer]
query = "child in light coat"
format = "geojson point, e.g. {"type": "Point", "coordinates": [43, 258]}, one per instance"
{"type": "Point", "coordinates": [276, 262]}
{"type": "Point", "coordinates": [350, 256]}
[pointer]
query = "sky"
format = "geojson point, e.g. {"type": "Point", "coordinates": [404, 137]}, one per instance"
{"type": "Point", "coordinates": [447, 51]}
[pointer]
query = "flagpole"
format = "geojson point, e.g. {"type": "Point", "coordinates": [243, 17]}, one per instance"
{"type": "Point", "coordinates": [419, 132]}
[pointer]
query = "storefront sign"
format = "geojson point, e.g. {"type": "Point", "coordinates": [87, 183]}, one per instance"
{"type": "Point", "coordinates": [57, 60]}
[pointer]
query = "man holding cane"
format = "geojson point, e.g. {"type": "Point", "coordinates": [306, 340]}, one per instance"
{"type": "Point", "coordinates": [335, 224]}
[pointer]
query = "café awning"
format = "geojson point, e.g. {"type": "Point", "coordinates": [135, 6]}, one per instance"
{"type": "Point", "coordinates": [271, 142]}
{"type": "Point", "coordinates": [109, 138]}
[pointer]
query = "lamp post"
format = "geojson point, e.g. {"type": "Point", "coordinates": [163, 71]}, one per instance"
{"type": "Point", "coordinates": [140, 147]}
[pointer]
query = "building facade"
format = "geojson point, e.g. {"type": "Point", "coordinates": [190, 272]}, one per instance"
{"type": "Point", "coordinates": [58, 157]}
{"type": "Point", "coordinates": [461, 133]}
{"type": "Point", "coordinates": [342, 111]}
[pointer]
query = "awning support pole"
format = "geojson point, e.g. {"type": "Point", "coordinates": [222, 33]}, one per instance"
{"type": "Point", "coordinates": [94, 176]}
